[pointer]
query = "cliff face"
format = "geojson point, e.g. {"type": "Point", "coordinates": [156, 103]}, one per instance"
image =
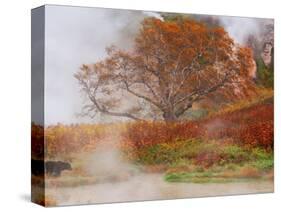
{"type": "Point", "coordinates": [268, 45]}
{"type": "Point", "coordinates": [262, 43]}
{"type": "Point", "coordinates": [266, 54]}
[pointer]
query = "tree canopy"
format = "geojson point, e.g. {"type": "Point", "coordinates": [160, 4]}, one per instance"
{"type": "Point", "coordinates": [172, 65]}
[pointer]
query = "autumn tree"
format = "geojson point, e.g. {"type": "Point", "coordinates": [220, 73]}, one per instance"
{"type": "Point", "coordinates": [172, 65]}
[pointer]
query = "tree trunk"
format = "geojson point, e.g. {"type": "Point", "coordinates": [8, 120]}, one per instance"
{"type": "Point", "coordinates": [169, 116]}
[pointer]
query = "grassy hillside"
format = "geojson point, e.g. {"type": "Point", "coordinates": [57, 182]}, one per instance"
{"type": "Point", "coordinates": [234, 143]}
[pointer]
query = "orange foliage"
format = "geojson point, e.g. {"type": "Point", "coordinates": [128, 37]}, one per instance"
{"type": "Point", "coordinates": [172, 65]}
{"type": "Point", "coordinates": [252, 126]}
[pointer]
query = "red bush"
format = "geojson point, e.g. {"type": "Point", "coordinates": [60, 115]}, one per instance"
{"type": "Point", "coordinates": [251, 126]}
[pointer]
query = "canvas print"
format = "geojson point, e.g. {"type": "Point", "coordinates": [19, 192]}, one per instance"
{"type": "Point", "coordinates": [134, 105]}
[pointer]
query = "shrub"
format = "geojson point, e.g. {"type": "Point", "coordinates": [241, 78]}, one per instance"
{"type": "Point", "coordinates": [263, 164]}
{"type": "Point", "coordinates": [168, 153]}
{"type": "Point", "coordinates": [235, 154]}
{"type": "Point", "coordinates": [264, 74]}
{"type": "Point", "coordinates": [262, 159]}
{"type": "Point", "coordinates": [250, 126]}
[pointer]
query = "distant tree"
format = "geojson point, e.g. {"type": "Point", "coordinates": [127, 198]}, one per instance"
{"type": "Point", "coordinates": [172, 65]}
{"type": "Point", "coordinates": [264, 72]}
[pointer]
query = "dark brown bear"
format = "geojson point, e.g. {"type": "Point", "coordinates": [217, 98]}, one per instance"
{"type": "Point", "coordinates": [53, 168]}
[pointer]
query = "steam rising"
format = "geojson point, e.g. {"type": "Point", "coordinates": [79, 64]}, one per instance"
{"type": "Point", "coordinates": [240, 28]}
{"type": "Point", "coordinates": [106, 163]}
{"type": "Point", "coordinates": [153, 14]}
{"type": "Point", "coordinates": [76, 36]}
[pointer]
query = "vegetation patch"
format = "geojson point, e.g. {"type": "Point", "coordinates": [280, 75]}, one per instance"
{"type": "Point", "coordinates": [207, 161]}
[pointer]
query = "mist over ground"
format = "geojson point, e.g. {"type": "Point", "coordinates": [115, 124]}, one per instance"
{"type": "Point", "coordinates": [76, 36]}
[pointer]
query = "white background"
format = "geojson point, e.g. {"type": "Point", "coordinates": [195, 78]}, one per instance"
{"type": "Point", "coordinates": [15, 103]}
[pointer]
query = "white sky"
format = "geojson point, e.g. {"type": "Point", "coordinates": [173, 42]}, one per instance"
{"type": "Point", "coordinates": [75, 36]}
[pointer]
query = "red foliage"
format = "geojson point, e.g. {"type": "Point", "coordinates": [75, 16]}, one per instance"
{"type": "Point", "coordinates": [251, 127]}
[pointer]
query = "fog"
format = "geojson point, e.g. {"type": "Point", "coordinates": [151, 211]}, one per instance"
{"type": "Point", "coordinates": [239, 28]}
{"type": "Point", "coordinates": [75, 36]}
{"type": "Point", "coordinates": [106, 162]}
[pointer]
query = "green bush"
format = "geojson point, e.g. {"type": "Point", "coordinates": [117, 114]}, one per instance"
{"type": "Point", "coordinates": [261, 154]}
{"type": "Point", "coordinates": [264, 74]}
{"type": "Point", "coordinates": [263, 165]}
{"type": "Point", "coordinates": [262, 159]}
{"type": "Point", "coordinates": [173, 152]}
{"type": "Point", "coordinates": [235, 154]}
{"type": "Point", "coordinates": [201, 161]}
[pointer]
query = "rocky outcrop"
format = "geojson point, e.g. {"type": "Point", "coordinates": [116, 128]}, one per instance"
{"type": "Point", "coordinates": [268, 45]}
{"type": "Point", "coordinates": [266, 54]}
